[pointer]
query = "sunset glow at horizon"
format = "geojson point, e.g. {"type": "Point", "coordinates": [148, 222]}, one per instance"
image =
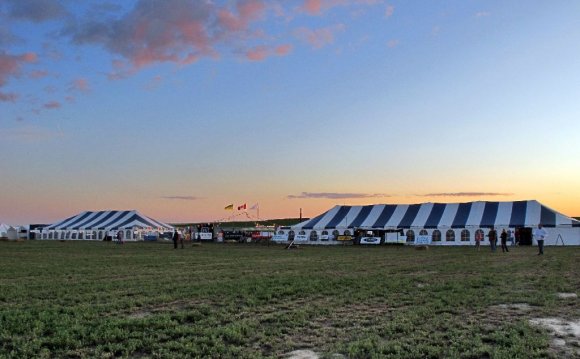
{"type": "Point", "coordinates": [178, 108]}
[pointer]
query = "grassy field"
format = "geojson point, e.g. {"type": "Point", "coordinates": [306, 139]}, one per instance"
{"type": "Point", "coordinates": [95, 299]}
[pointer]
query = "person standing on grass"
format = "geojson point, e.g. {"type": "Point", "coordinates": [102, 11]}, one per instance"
{"type": "Point", "coordinates": [540, 234]}
{"type": "Point", "coordinates": [175, 239]}
{"type": "Point", "coordinates": [119, 237]}
{"type": "Point", "coordinates": [492, 239]}
{"type": "Point", "coordinates": [478, 238]}
{"type": "Point", "coordinates": [504, 237]}
{"type": "Point", "coordinates": [180, 239]}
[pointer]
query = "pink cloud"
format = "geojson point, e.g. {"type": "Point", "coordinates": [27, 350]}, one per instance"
{"type": "Point", "coordinates": [250, 10]}
{"type": "Point", "coordinates": [38, 74]}
{"type": "Point", "coordinates": [283, 50]}
{"type": "Point", "coordinates": [80, 84]}
{"type": "Point", "coordinates": [52, 105]}
{"type": "Point", "coordinates": [154, 83]}
{"type": "Point", "coordinates": [10, 64]}
{"type": "Point", "coordinates": [177, 31]}
{"type": "Point", "coordinates": [389, 11]}
{"type": "Point", "coordinates": [185, 31]}
{"type": "Point", "coordinates": [317, 7]}
{"type": "Point", "coordinates": [154, 32]}
{"type": "Point", "coordinates": [8, 97]}
{"type": "Point", "coordinates": [312, 7]}
{"type": "Point", "coordinates": [392, 43]}
{"type": "Point", "coordinates": [260, 53]}
{"type": "Point", "coordinates": [29, 57]}
{"type": "Point", "coordinates": [319, 38]}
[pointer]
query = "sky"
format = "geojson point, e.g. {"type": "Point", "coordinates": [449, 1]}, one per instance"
{"type": "Point", "coordinates": [178, 108]}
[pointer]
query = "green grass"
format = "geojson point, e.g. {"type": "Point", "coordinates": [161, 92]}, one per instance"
{"type": "Point", "coordinates": [95, 299]}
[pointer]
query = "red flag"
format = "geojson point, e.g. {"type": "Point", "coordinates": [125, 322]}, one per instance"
{"type": "Point", "coordinates": [243, 206]}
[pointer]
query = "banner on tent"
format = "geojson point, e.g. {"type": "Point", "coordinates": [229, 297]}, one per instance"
{"type": "Point", "coordinates": [301, 238]}
{"type": "Point", "coordinates": [343, 238]}
{"type": "Point", "coordinates": [422, 240]}
{"type": "Point", "coordinates": [370, 240]}
{"type": "Point", "coordinates": [280, 238]}
{"type": "Point", "coordinates": [205, 236]}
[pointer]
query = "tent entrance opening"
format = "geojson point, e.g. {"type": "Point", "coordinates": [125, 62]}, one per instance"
{"type": "Point", "coordinates": [525, 236]}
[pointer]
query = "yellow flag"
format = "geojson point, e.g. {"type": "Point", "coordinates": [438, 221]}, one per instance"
{"type": "Point", "coordinates": [229, 207]}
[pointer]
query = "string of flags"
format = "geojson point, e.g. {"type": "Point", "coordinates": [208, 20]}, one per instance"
{"type": "Point", "coordinates": [230, 207]}
{"type": "Point", "coordinates": [241, 211]}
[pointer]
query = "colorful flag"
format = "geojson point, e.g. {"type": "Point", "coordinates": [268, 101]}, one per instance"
{"type": "Point", "coordinates": [243, 206]}
{"type": "Point", "coordinates": [255, 206]}
{"type": "Point", "coordinates": [229, 207]}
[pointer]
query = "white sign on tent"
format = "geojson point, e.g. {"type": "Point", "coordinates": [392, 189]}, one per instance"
{"type": "Point", "coordinates": [422, 240]}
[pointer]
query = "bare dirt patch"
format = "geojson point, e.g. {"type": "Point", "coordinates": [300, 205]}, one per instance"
{"type": "Point", "coordinates": [302, 354]}
{"type": "Point", "coordinates": [565, 335]}
{"type": "Point", "coordinates": [567, 295]}
{"type": "Point", "coordinates": [139, 314]}
{"type": "Point", "coordinates": [516, 306]}
{"type": "Point", "coordinates": [498, 314]}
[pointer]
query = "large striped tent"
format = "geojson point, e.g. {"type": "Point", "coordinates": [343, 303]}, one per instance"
{"type": "Point", "coordinates": [97, 224]}
{"type": "Point", "coordinates": [448, 220]}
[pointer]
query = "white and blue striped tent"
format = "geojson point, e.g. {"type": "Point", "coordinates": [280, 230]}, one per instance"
{"type": "Point", "coordinates": [453, 218]}
{"type": "Point", "coordinates": [96, 224]}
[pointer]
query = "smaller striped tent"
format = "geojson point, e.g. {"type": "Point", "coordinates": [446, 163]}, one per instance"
{"type": "Point", "coordinates": [455, 219]}
{"type": "Point", "coordinates": [97, 224]}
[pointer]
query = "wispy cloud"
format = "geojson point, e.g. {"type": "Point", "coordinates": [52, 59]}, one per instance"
{"type": "Point", "coordinates": [318, 7]}
{"type": "Point", "coordinates": [30, 134]}
{"type": "Point", "coordinates": [80, 84]}
{"type": "Point", "coordinates": [178, 31]}
{"type": "Point", "coordinates": [154, 83]}
{"type": "Point", "coordinates": [336, 195]}
{"type": "Point", "coordinates": [8, 97]}
{"type": "Point", "coordinates": [260, 53]}
{"type": "Point", "coordinates": [312, 7]}
{"type": "Point", "coordinates": [482, 14]}
{"type": "Point", "coordinates": [393, 43]}
{"type": "Point", "coordinates": [182, 198]}
{"type": "Point", "coordinates": [51, 105]}
{"type": "Point", "coordinates": [465, 194]}
{"type": "Point", "coordinates": [10, 64]}
{"type": "Point", "coordinates": [38, 74]}
{"type": "Point", "coordinates": [35, 10]}
{"type": "Point", "coordinates": [10, 67]}
{"type": "Point", "coordinates": [318, 38]}
{"type": "Point", "coordinates": [389, 11]}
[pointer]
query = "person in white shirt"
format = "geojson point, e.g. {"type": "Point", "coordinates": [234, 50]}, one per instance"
{"type": "Point", "coordinates": [540, 234]}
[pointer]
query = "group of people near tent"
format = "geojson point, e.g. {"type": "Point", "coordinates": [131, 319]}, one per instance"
{"type": "Point", "coordinates": [540, 234]}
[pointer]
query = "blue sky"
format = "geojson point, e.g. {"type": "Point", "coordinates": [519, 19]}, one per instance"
{"type": "Point", "coordinates": [179, 108]}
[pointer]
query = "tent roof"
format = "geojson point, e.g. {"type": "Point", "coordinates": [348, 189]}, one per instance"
{"type": "Point", "coordinates": [4, 227]}
{"type": "Point", "coordinates": [433, 215]}
{"type": "Point", "coordinates": [109, 220]}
